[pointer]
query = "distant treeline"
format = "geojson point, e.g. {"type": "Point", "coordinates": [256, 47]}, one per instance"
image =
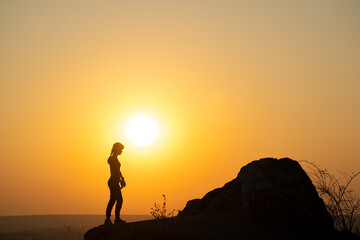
{"type": "Point", "coordinates": [61, 233]}
{"type": "Point", "coordinates": [53, 227]}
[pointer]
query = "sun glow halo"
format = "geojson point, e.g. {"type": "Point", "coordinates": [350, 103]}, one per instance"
{"type": "Point", "coordinates": [142, 130]}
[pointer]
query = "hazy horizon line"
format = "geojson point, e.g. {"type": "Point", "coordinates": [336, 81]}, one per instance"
{"type": "Point", "coordinates": [28, 215]}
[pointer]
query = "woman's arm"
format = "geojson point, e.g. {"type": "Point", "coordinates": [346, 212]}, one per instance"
{"type": "Point", "coordinates": [122, 180]}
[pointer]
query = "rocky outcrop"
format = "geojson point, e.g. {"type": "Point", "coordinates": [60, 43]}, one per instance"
{"type": "Point", "coordinates": [268, 191]}
{"type": "Point", "coordinates": [269, 199]}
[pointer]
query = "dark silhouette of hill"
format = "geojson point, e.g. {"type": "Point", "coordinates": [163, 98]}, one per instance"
{"type": "Point", "coordinates": [269, 199]}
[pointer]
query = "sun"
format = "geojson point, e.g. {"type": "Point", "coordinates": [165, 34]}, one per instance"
{"type": "Point", "coordinates": [142, 130]}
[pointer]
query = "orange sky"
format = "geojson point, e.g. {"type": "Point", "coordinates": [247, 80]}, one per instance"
{"type": "Point", "coordinates": [228, 81]}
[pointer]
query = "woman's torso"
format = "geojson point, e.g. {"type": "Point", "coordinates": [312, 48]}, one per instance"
{"type": "Point", "coordinates": [114, 168]}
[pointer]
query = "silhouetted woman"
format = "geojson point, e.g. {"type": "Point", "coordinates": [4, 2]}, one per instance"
{"type": "Point", "coordinates": [116, 183]}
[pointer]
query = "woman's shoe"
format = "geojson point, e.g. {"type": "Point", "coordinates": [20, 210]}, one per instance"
{"type": "Point", "coordinates": [119, 221]}
{"type": "Point", "coordinates": [108, 222]}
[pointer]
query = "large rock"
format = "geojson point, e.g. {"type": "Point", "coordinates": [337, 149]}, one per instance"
{"type": "Point", "coordinates": [271, 191]}
{"type": "Point", "coordinates": [269, 199]}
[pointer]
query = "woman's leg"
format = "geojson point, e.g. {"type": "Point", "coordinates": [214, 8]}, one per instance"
{"type": "Point", "coordinates": [119, 202]}
{"type": "Point", "coordinates": [109, 207]}
{"type": "Point", "coordinates": [112, 187]}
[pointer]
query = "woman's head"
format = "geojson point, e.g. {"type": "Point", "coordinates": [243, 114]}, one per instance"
{"type": "Point", "coordinates": [117, 149]}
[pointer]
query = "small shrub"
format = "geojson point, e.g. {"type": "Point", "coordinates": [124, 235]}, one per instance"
{"type": "Point", "coordinates": [160, 211]}
{"type": "Point", "coordinates": [341, 202]}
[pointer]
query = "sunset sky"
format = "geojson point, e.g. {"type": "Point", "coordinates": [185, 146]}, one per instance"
{"type": "Point", "coordinates": [228, 82]}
